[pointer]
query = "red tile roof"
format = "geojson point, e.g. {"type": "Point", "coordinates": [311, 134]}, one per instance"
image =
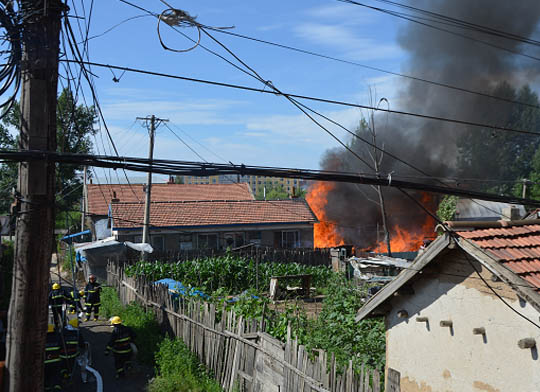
{"type": "Point", "coordinates": [100, 196]}
{"type": "Point", "coordinates": [516, 245]}
{"type": "Point", "coordinates": [213, 213]}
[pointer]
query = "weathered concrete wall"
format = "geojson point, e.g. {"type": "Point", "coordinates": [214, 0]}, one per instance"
{"type": "Point", "coordinates": [432, 358]}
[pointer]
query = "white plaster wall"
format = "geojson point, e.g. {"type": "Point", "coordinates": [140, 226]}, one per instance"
{"type": "Point", "coordinates": [432, 359]}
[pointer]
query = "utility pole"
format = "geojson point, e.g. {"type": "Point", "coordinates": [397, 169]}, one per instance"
{"type": "Point", "coordinates": [83, 204]}
{"type": "Point", "coordinates": [152, 130]}
{"type": "Point", "coordinates": [27, 320]}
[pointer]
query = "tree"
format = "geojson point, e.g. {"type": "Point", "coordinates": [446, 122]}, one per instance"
{"type": "Point", "coordinates": [8, 171]}
{"type": "Point", "coordinates": [75, 127]}
{"type": "Point", "coordinates": [504, 156]}
{"type": "Point", "coordinates": [273, 192]}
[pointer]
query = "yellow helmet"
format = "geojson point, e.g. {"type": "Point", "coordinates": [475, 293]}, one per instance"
{"type": "Point", "coordinates": [81, 293]}
{"type": "Point", "coordinates": [50, 328]}
{"type": "Point", "coordinates": [55, 286]}
{"type": "Point", "coordinates": [74, 323]}
{"type": "Point", "coordinates": [116, 320]}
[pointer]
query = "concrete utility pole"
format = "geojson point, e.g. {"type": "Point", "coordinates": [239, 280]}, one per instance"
{"type": "Point", "coordinates": [152, 129]}
{"type": "Point", "coordinates": [84, 198]}
{"type": "Point", "coordinates": [27, 320]}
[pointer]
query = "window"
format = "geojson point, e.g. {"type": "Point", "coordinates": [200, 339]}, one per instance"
{"type": "Point", "coordinates": [290, 239]}
{"type": "Point", "coordinates": [157, 243]}
{"type": "Point", "coordinates": [208, 241]}
{"type": "Point", "coordinates": [213, 180]}
{"type": "Point", "coordinates": [254, 237]}
{"type": "Point", "coordinates": [186, 241]}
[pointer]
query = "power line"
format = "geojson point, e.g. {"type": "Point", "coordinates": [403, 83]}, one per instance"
{"type": "Point", "coordinates": [310, 98]}
{"type": "Point", "coordinates": [411, 18]}
{"type": "Point", "coordinates": [312, 53]}
{"type": "Point", "coordinates": [80, 61]}
{"type": "Point", "coordinates": [172, 167]}
{"type": "Point", "coordinates": [377, 69]}
{"type": "Point", "coordinates": [465, 24]}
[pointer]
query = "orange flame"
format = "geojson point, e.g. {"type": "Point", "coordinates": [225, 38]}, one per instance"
{"type": "Point", "coordinates": [410, 239]}
{"type": "Point", "coordinates": [325, 234]}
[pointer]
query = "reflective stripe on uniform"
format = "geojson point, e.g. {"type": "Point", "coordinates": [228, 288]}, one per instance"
{"type": "Point", "coordinates": [122, 340]}
{"type": "Point", "coordinates": [121, 351]}
{"type": "Point", "coordinates": [53, 360]}
{"type": "Point", "coordinates": [52, 348]}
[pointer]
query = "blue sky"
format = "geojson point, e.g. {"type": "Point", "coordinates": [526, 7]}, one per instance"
{"type": "Point", "coordinates": [242, 127]}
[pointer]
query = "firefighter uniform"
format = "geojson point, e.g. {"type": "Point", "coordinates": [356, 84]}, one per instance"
{"type": "Point", "coordinates": [120, 345]}
{"type": "Point", "coordinates": [73, 344]}
{"type": "Point", "coordinates": [92, 300]}
{"type": "Point", "coordinates": [74, 301]}
{"type": "Point", "coordinates": [57, 299]}
{"type": "Point", "coordinates": [53, 362]}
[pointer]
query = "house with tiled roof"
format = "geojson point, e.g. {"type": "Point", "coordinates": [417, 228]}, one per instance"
{"type": "Point", "coordinates": [217, 224]}
{"type": "Point", "coordinates": [465, 316]}
{"type": "Point", "coordinates": [98, 198]}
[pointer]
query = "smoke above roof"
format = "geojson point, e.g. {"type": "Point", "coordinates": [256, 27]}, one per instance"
{"type": "Point", "coordinates": [427, 144]}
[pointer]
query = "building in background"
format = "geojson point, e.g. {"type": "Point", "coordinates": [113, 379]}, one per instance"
{"type": "Point", "coordinates": [214, 224]}
{"type": "Point", "coordinates": [100, 196]}
{"type": "Point", "coordinates": [256, 183]}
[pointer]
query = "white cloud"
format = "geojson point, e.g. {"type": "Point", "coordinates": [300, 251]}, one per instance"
{"type": "Point", "coordinates": [346, 41]}
{"type": "Point", "coordinates": [342, 12]}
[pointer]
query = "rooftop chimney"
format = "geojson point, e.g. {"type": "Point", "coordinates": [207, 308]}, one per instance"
{"type": "Point", "coordinates": [511, 213]}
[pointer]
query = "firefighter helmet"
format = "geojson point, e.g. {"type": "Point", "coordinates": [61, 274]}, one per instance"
{"type": "Point", "coordinates": [116, 320]}
{"type": "Point", "coordinates": [55, 286]}
{"type": "Point", "coordinates": [50, 328]}
{"type": "Point", "coordinates": [74, 322]}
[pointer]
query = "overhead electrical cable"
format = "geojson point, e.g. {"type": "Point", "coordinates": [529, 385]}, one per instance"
{"type": "Point", "coordinates": [465, 24]}
{"type": "Point", "coordinates": [310, 98]}
{"type": "Point", "coordinates": [411, 18]}
{"type": "Point", "coordinates": [173, 167]}
{"type": "Point", "coordinates": [80, 61]}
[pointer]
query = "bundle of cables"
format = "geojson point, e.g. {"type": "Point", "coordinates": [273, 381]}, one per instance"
{"type": "Point", "coordinates": [10, 56]}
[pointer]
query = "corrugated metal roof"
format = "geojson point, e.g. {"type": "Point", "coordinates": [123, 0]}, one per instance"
{"type": "Point", "coordinates": [474, 209]}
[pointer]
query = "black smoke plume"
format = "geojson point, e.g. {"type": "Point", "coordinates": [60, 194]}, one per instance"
{"type": "Point", "coordinates": [432, 146]}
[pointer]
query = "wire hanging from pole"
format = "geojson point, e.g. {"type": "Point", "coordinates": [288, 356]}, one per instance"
{"type": "Point", "coordinates": [10, 70]}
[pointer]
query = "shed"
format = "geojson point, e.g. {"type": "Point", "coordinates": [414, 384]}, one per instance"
{"type": "Point", "coordinates": [465, 315]}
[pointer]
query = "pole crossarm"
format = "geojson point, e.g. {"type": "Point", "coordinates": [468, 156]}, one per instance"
{"type": "Point", "coordinates": [173, 167]}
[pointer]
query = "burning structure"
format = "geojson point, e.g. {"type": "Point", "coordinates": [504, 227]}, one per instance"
{"type": "Point", "coordinates": [485, 63]}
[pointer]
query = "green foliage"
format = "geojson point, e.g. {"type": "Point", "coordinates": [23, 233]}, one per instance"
{"type": "Point", "coordinates": [178, 370]}
{"type": "Point", "coordinates": [75, 127]}
{"type": "Point", "coordinates": [273, 192]}
{"type": "Point", "coordinates": [447, 208]}
{"type": "Point", "coordinates": [8, 171]}
{"type": "Point", "coordinates": [133, 315]}
{"type": "Point", "coordinates": [336, 330]}
{"type": "Point", "coordinates": [6, 273]}
{"type": "Point", "coordinates": [488, 154]}
{"type": "Point", "coordinates": [232, 274]}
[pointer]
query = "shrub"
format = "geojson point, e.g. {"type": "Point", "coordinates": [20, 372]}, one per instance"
{"type": "Point", "coordinates": [178, 370]}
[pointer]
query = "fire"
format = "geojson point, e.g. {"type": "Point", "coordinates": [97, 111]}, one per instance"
{"type": "Point", "coordinates": [406, 240]}
{"type": "Point", "coordinates": [325, 234]}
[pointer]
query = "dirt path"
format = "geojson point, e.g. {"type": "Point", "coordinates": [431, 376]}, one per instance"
{"type": "Point", "coordinates": [98, 334]}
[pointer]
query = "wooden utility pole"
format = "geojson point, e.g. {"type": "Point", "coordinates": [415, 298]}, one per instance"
{"type": "Point", "coordinates": [152, 130]}
{"type": "Point", "coordinates": [27, 324]}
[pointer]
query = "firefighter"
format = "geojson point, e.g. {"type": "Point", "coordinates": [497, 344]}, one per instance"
{"type": "Point", "coordinates": [53, 362]}
{"type": "Point", "coordinates": [72, 346]}
{"type": "Point", "coordinates": [75, 300]}
{"type": "Point", "coordinates": [57, 299]}
{"type": "Point", "coordinates": [92, 293]}
{"type": "Point", "coordinates": [120, 344]}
